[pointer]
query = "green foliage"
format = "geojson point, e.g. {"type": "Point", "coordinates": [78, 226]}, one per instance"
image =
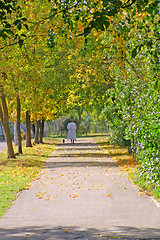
{"type": "Point", "coordinates": [148, 140]}
{"type": "Point", "coordinates": [116, 127]}
{"type": "Point", "coordinates": [133, 103]}
{"type": "Point", "coordinates": [10, 28]}
{"type": "Point", "coordinates": [117, 135]}
{"type": "Point", "coordinates": [135, 116]}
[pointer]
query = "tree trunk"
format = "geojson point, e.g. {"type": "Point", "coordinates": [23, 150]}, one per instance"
{"type": "Point", "coordinates": [28, 130]}
{"type": "Point", "coordinates": [19, 126]}
{"type": "Point", "coordinates": [5, 124]}
{"type": "Point", "coordinates": [33, 129]}
{"type": "Point", "coordinates": [80, 111]}
{"type": "Point", "coordinates": [41, 130]}
{"type": "Point", "coordinates": [36, 139]}
{"type": "Point", "coordinates": [15, 134]}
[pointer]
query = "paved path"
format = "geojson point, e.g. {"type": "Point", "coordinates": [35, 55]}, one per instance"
{"type": "Point", "coordinates": [81, 194]}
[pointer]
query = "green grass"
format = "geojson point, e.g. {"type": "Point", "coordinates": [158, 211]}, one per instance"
{"type": "Point", "coordinates": [17, 174]}
{"type": "Point", "coordinates": [145, 186]}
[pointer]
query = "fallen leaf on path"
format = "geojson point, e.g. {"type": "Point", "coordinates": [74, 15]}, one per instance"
{"type": "Point", "coordinates": [124, 189]}
{"type": "Point", "coordinates": [101, 187]}
{"type": "Point", "coordinates": [141, 194]}
{"type": "Point", "coordinates": [108, 195]}
{"type": "Point", "coordinates": [147, 193]}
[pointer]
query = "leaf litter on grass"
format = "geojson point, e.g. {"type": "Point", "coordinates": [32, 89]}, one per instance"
{"type": "Point", "coordinates": [18, 174]}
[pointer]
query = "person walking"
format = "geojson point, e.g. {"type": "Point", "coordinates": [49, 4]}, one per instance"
{"type": "Point", "coordinates": [71, 131]}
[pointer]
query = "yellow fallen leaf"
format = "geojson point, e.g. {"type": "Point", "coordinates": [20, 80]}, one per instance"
{"type": "Point", "coordinates": [39, 197]}
{"type": "Point", "coordinates": [108, 195]}
{"type": "Point", "coordinates": [141, 194]}
{"type": "Point", "coordinates": [75, 195]}
{"type": "Point", "coordinates": [147, 193]}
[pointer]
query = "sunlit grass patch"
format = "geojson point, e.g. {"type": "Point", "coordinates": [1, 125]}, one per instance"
{"type": "Point", "coordinates": [121, 156]}
{"type": "Point", "coordinates": [102, 140]}
{"type": "Point", "coordinates": [16, 174]}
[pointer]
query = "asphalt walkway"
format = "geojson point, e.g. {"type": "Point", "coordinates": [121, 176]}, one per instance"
{"type": "Point", "coordinates": [81, 194]}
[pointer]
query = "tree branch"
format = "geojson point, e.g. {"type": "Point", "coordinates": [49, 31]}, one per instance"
{"type": "Point", "coordinates": [127, 4]}
{"type": "Point", "coordinates": [9, 45]}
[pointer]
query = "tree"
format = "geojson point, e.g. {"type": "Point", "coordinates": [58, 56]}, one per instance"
{"type": "Point", "coordinates": [4, 121]}
{"type": "Point", "coordinates": [18, 126]}
{"type": "Point", "coordinates": [28, 130]}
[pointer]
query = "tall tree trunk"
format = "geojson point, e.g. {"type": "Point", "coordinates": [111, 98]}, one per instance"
{"type": "Point", "coordinates": [79, 111]}
{"type": "Point", "coordinates": [36, 139]}
{"type": "Point", "coordinates": [41, 130]}
{"type": "Point", "coordinates": [15, 134]}
{"type": "Point", "coordinates": [28, 130]}
{"type": "Point", "coordinates": [33, 129]}
{"type": "Point", "coordinates": [5, 124]}
{"type": "Point", "coordinates": [19, 126]}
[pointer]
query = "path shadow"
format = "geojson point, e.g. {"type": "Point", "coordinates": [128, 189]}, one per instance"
{"type": "Point", "coordinates": [46, 143]}
{"type": "Point", "coordinates": [73, 232]}
{"type": "Point", "coordinates": [52, 165]}
{"type": "Point", "coordinates": [90, 155]}
{"type": "Point", "coordinates": [83, 144]}
{"type": "Point", "coordinates": [78, 149]}
{"type": "Point", "coordinates": [106, 145]}
{"type": "Point", "coordinates": [111, 147]}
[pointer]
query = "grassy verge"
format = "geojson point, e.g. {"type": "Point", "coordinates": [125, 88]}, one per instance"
{"type": "Point", "coordinates": [127, 163]}
{"type": "Point", "coordinates": [144, 185]}
{"type": "Point", "coordinates": [17, 174]}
